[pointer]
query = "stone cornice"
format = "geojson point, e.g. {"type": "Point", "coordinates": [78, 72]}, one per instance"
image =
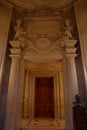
{"type": "Point", "coordinates": [71, 56]}
{"type": "Point", "coordinates": [56, 66]}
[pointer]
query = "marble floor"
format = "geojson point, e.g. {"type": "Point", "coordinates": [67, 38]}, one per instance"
{"type": "Point", "coordinates": [43, 124]}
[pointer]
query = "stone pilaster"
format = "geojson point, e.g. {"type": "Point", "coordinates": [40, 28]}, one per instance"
{"type": "Point", "coordinates": [62, 105]}
{"type": "Point", "coordinates": [26, 96]}
{"type": "Point", "coordinates": [5, 18]}
{"type": "Point", "coordinates": [14, 85]}
{"type": "Point", "coordinates": [71, 67]}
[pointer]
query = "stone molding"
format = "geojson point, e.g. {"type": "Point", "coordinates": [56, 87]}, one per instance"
{"type": "Point", "coordinates": [70, 49]}
{"type": "Point", "coordinates": [59, 113]}
{"type": "Point", "coordinates": [20, 48]}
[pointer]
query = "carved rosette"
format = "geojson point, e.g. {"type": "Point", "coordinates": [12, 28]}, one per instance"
{"type": "Point", "coordinates": [43, 44]}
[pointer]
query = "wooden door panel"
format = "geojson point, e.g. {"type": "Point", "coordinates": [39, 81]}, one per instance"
{"type": "Point", "coordinates": [44, 97]}
{"type": "Point", "coordinates": [49, 111]}
{"type": "Point", "coordinates": [39, 95]}
{"type": "Point", "coordinates": [49, 96]}
{"type": "Point", "coordinates": [39, 112]}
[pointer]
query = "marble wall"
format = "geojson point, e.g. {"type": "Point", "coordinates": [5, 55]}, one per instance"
{"type": "Point", "coordinates": [5, 17]}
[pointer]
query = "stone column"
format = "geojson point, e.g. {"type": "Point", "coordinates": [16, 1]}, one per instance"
{"type": "Point", "coordinates": [71, 67]}
{"type": "Point", "coordinates": [26, 96]}
{"type": "Point", "coordinates": [14, 84]}
{"type": "Point", "coordinates": [70, 80]}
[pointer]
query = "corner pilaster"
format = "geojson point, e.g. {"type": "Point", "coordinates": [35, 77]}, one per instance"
{"type": "Point", "coordinates": [70, 80]}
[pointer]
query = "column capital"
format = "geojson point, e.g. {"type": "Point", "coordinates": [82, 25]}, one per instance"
{"type": "Point", "coordinates": [16, 48]}
{"type": "Point", "coordinates": [70, 49]}
{"type": "Point", "coordinates": [16, 44]}
{"type": "Point", "coordinates": [71, 56]}
{"type": "Point", "coordinates": [70, 43]}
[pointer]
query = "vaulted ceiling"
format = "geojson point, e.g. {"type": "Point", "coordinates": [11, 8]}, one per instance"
{"type": "Point", "coordinates": [39, 3]}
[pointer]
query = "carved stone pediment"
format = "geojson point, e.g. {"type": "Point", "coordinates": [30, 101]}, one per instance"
{"type": "Point", "coordinates": [43, 22]}
{"type": "Point", "coordinates": [43, 34]}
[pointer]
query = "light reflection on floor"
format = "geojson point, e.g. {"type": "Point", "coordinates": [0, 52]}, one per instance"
{"type": "Point", "coordinates": [43, 124]}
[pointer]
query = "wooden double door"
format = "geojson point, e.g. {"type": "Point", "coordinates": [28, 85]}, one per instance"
{"type": "Point", "coordinates": [44, 97]}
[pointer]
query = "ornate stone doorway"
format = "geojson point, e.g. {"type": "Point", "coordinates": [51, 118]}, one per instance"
{"type": "Point", "coordinates": [50, 81]}
{"type": "Point", "coordinates": [46, 41]}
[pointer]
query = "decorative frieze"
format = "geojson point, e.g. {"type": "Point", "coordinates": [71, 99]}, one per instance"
{"type": "Point", "coordinates": [40, 12]}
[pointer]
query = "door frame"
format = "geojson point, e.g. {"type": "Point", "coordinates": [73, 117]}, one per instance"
{"type": "Point", "coordinates": [58, 112]}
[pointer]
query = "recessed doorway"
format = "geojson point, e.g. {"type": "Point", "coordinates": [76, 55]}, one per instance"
{"type": "Point", "coordinates": [44, 97]}
{"type": "Point", "coordinates": [36, 85]}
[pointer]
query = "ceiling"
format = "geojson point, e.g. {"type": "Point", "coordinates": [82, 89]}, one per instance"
{"type": "Point", "coordinates": [28, 4]}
